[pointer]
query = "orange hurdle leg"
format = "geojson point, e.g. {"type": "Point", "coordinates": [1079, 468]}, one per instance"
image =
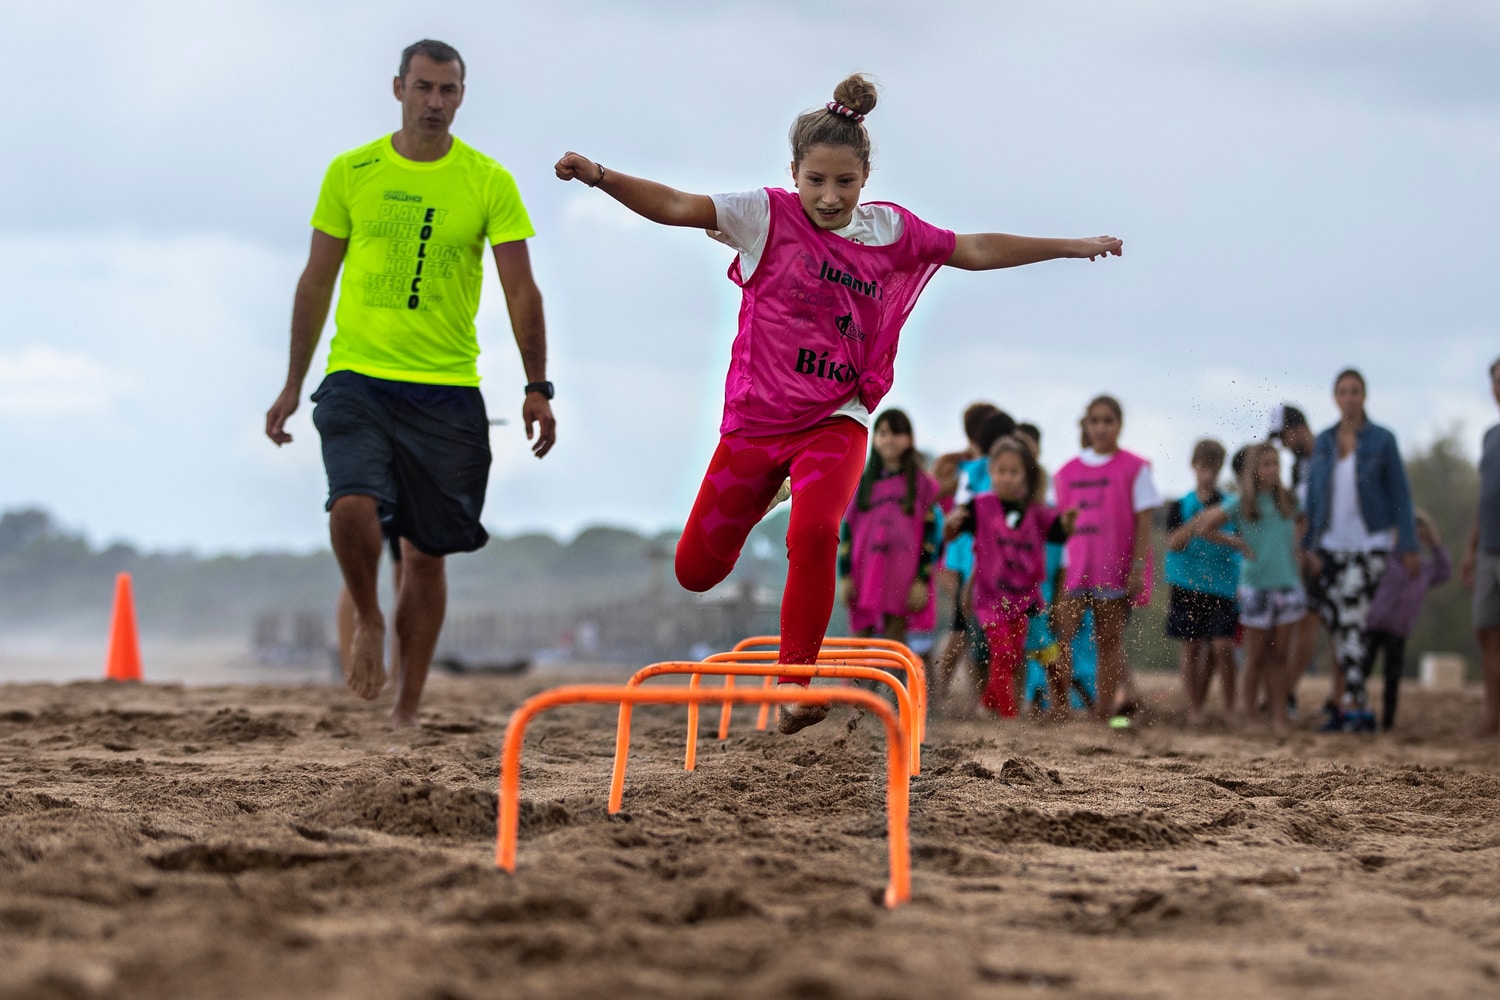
{"type": "Point", "coordinates": [898, 787]}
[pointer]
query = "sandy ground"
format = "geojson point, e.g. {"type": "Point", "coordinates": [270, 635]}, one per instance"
{"type": "Point", "coordinates": [161, 841]}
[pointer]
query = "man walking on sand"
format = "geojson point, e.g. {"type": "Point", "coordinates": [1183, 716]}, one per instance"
{"type": "Point", "coordinates": [404, 428]}
{"type": "Point", "coordinates": [1481, 567]}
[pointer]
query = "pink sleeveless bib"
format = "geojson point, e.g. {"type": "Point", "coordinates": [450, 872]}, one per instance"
{"type": "Point", "coordinates": [820, 318]}
{"type": "Point", "coordinates": [1100, 547]}
{"type": "Point", "coordinates": [885, 544]}
{"type": "Point", "coordinates": [1010, 561]}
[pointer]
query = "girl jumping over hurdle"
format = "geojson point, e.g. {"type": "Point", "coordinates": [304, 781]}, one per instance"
{"type": "Point", "coordinates": [826, 284]}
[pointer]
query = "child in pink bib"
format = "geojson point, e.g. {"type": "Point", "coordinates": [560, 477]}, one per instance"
{"type": "Point", "coordinates": [1108, 556]}
{"type": "Point", "coordinates": [1011, 527]}
{"type": "Point", "coordinates": [826, 285]}
{"type": "Point", "coordinates": [890, 535]}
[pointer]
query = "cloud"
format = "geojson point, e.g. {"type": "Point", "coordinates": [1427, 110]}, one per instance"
{"type": "Point", "coordinates": [40, 382]}
{"type": "Point", "coordinates": [1299, 184]}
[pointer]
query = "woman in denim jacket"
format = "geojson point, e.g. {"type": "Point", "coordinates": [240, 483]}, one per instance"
{"type": "Point", "coordinates": [1359, 510]}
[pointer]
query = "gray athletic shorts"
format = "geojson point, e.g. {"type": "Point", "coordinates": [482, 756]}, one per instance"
{"type": "Point", "coordinates": [1487, 590]}
{"type": "Point", "coordinates": [422, 451]}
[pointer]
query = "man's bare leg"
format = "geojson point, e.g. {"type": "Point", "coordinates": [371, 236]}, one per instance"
{"type": "Point", "coordinates": [354, 530]}
{"type": "Point", "coordinates": [421, 602]}
{"type": "Point", "coordinates": [344, 622]}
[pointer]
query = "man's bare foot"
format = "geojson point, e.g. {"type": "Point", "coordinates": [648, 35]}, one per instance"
{"type": "Point", "coordinates": [402, 719]}
{"type": "Point", "coordinates": [364, 673]}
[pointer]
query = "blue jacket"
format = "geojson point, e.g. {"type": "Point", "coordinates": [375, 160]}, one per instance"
{"type": "Point", "coordinates": [1384, 493]}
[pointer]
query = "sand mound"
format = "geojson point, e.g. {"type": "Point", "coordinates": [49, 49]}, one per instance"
{"type": "Point", "coordinates": [251, 843]}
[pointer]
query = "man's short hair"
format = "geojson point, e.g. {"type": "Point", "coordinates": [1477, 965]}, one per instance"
{"type": "Point", "coordinates": [438, 52]}
{"type": "Point", "coordinates": [1209, 454]}
{"type": "Point", "coordinates": [1493, 365]}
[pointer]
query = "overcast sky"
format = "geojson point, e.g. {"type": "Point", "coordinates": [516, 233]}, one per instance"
{"type": "Point", "coordinates": [1301, 185]}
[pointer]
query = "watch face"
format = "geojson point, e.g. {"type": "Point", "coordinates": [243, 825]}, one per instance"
{"type": "Point", "coordinates": [545, 388]}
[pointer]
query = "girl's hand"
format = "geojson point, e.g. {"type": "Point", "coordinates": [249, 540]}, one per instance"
{"type": "Point", "coordinates": [577, 167]}
{"type": "Point", "coordinates": [846, 591]}
{"type": "Point", "coordinates": [1466, 570]}
{"type": "Point", "coordinates": [954, 523]}
{"type": "Point", "coordinates": [1099, 246]}
{"type": "Point", "coordinates": [916, 598]}
{"type": "Point", "coordinates": [1069, 519]}
{"type": "Point", "coordinates": [1136, 585]}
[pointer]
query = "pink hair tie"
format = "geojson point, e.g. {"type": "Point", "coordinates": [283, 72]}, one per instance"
{"type": "Point", "coordinates": [839, 109]}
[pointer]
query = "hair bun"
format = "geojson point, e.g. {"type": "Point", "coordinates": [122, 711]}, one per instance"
{"type": "Point", "coordinates": [857, 93]}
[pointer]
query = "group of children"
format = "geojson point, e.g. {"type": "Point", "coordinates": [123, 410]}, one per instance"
{"type": "Point", "coordinates": [1028, 575]}
{"type": "Point", "coordinates": [1025, 569]}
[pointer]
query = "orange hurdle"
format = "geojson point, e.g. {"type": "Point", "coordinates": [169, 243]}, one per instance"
{"type": "Point", "coordinates": [904, 713]}
{"type": "Point", "coordinates": [867, 661]}
{"type": "Point", "coordinates": [916, 673]}
{"type": "Point", "coordinates": [897, 787]}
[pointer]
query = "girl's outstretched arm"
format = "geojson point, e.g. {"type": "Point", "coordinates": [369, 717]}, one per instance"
{"type": "Point", "coordinates": [989, 251]}
{"type": "Point", "coordinates": [648, 199]}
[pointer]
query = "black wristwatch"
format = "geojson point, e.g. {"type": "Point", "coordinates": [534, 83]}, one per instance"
{"type": "Point", "coordinates": [545, 388]}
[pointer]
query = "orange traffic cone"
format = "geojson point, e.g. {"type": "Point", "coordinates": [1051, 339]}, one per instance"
{"type": "Point", "coordinates": [124, 662]}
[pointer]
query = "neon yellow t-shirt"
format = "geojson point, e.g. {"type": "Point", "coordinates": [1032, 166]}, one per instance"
{"type": "Point", "coordinates": [415, 262]}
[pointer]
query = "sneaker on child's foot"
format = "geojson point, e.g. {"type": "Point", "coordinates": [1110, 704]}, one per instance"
{"type": "Point", "coordinates": [1360, 721]}
{"type": "Point", "coordinates": [1333, 721]}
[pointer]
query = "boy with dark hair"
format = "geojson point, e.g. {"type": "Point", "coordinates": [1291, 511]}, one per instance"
{"type": "Point", "coordinates": [1203, 573]}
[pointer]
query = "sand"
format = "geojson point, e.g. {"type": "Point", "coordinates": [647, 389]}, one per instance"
{"type": "Point", "coordinates": [162, 841]}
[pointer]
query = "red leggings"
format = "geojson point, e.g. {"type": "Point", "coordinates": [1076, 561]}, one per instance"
{"type": "Point", "coordinates": [1007, 642]}
{"type": "Point", "coordinates": [825, 463]}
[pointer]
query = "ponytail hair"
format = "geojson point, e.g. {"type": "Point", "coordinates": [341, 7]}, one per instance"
{"type": "Point", "coordinates": [841, 123]}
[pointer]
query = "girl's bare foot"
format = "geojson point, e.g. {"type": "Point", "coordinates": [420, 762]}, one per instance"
{"type": "Point", "coordinates": [795, 718]}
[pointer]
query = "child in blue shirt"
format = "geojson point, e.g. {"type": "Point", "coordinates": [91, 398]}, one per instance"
{"type": "Point", "coordinates": [1203, 573]}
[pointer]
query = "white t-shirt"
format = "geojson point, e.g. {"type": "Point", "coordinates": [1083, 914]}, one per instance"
{"type": "Point", "coordinates": [745, 222]}
{"type": "Point", "coordinates": [1143, 491]}
{"type": "Point", "coordinates": [1346, 525]}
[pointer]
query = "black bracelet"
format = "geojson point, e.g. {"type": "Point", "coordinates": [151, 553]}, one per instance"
{"type": "Point", "coordinates": [601, 176]}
